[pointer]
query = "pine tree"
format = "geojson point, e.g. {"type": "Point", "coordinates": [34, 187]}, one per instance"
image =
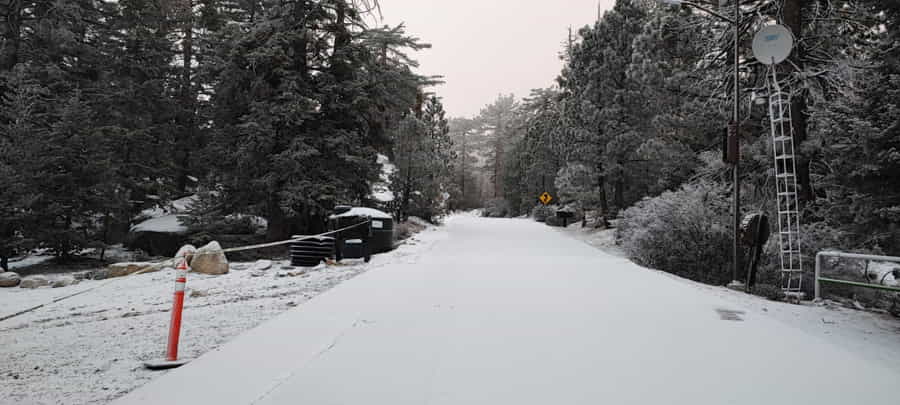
{"type": "Point", "coordinates": [295, 102]}
{"type": "Point", "coordinates": [859, 137]}
{"type": "Point", "coordinates": [496, 119]}
{"type": "Point", "coordinates": [21, 121]}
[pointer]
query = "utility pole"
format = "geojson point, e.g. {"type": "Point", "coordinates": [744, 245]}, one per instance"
{"type": "Point", "coordinates": [735, 123]}
{"type": "Point", "coordinates": [736, 243]}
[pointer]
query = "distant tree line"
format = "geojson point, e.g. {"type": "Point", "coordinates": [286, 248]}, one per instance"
{"type": "Point", "coordinates": [270, 108]}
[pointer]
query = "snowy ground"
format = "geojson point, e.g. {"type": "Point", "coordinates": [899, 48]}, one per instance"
{"type": "Point", "coordinates": [872, 335]}
{"type": "Point", "coordinates": [90, 349]}
{"type": "Point", "coordinates": [508, 311]}
{"type": "Point", "coordinates": [480, 311]}
{"type": "Point", "coordinates": [603, 239]}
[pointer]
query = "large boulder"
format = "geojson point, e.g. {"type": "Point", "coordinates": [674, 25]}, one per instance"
{"type": "Point", "coordinates": [209, 263]}
{"type": "Point", "coordinates": [9, 279]}
{"type": "Point", "coordinates": [124, 269]}
{"type": "Point", "coordinates": [34, 282]}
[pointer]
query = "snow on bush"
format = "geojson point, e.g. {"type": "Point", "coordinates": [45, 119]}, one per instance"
{"type": "Point", "coordinates": [683, 232]}
{"type": "Point", "coordinates": [496, 208]}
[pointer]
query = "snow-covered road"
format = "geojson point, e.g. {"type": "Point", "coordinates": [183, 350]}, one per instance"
{"type": "Point", "coordinates": [500, 311]}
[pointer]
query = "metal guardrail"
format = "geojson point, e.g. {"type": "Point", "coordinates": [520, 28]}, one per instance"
{"type": "Point", "coordinates": [820, 279]}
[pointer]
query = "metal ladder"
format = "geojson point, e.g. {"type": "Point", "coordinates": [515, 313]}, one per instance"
{"type": "Point", "coordinates": [787, 199]}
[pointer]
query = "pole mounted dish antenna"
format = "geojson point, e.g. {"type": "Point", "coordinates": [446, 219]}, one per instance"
{"type": "Point", "coordinates": [773, 44]}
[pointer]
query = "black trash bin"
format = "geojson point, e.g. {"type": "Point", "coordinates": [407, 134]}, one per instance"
{"type": "Point", "coordinates": [376, 236]}
{"type": "Point", "coordinates": [310, 252]}
{"type": "Point", "coordinates": [565, 216]}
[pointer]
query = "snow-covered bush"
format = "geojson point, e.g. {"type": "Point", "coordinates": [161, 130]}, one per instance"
{"type": "Point", "coordinates": [683, 232]}
{"type": "Point", "coordinates": [496, 208]}
{"type": "Point", "coordinates": [816, 237]}
{"type": "Point", "coordinates": [769, 291]}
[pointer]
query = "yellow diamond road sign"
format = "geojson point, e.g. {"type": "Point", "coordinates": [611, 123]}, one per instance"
{"type": "Point", "coordinates": [545, 198]}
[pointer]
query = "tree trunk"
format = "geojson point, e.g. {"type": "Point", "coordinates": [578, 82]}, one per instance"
{"type": "Point", "coordinates": [342, 40]}
{"type": "Point", "coordinates": [278, 226]}
{"type": "Point", "coordinates": [10, 33]}
{"type": "Point", "coordinates": [407, 191]}
{"type": "Point", "coordinates": [793, 19]}
{"type": "Point", "coordinates": [462, 194]}
{"type": "Point", "coordinates": [498, 158]}
{"type": "Point", "coordinates": [601, 186]}
{"type": "Point", "coordinates": [620, 193]}
{"type": "Point", "coordinates": [188, 98]}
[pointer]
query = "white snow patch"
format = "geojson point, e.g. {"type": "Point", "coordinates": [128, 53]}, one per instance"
{"type": "Point", "coordinates": [29, 261]}
{"type": "Point", "coordinates": [603, 239]}
{"type": "Point", "coordinates": [165, 224]}
{"type": "Point", "coordinates": [185, 204]}
{"type": "Point", "coordinates": [382, 195]}
{"type": "Point", "coordinates": [381, 190]}
{"type": "Point", "coordinates": [418, 221]}
{"type": "Point", "coordinates": [363, 212]}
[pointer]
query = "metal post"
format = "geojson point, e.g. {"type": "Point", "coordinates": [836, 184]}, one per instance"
{"type": "Point", "coordinates": [818, 292]}
{"type": "Point", "coordinates": [736, 252]}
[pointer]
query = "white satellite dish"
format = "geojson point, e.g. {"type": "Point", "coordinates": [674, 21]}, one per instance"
{"type": "Point", "coordinates": [773, 44]}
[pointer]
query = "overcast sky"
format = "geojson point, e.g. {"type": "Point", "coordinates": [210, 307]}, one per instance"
{"type": "Point", "coordinates": [487, 47]}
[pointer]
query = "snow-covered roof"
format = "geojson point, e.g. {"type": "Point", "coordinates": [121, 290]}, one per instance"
{"type": "Point", "coordinates": [363, 212]}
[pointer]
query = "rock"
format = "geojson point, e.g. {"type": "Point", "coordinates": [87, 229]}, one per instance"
{"type": "Point", "coordinates": [210, 263]}
{"type": "Point", "coordinates": [83, 275]}
{"type": "Point", "coordinates": [99, 274]}
{"type": "Point", "coordinates": [34, 282]}
{"type": "Point", "coordinates": [198, 293]}
{"type": "Point", "coordinates": [64, 282]}
{"type": "Point", "coordinates": [296, 273]}
{"type": "Point", "coordinates": [9, 279]}
{"type": "Point", "coordinates": [261, 265]}
{"type": "Point", "coordinates": [257, 274]}
{"type": "Point", "coordinates": [124, 269]}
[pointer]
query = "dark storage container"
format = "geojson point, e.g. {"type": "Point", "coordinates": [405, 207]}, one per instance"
{"type": "Point", "coordinates": [311, 251]}
{"type": "Point", "coordinates": [377, 235]}
{"type": "Point", "coordinates": [353, 249]}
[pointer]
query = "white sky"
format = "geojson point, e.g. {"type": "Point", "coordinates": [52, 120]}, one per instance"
{"type": "Point", "coordinates": [487, 47]}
